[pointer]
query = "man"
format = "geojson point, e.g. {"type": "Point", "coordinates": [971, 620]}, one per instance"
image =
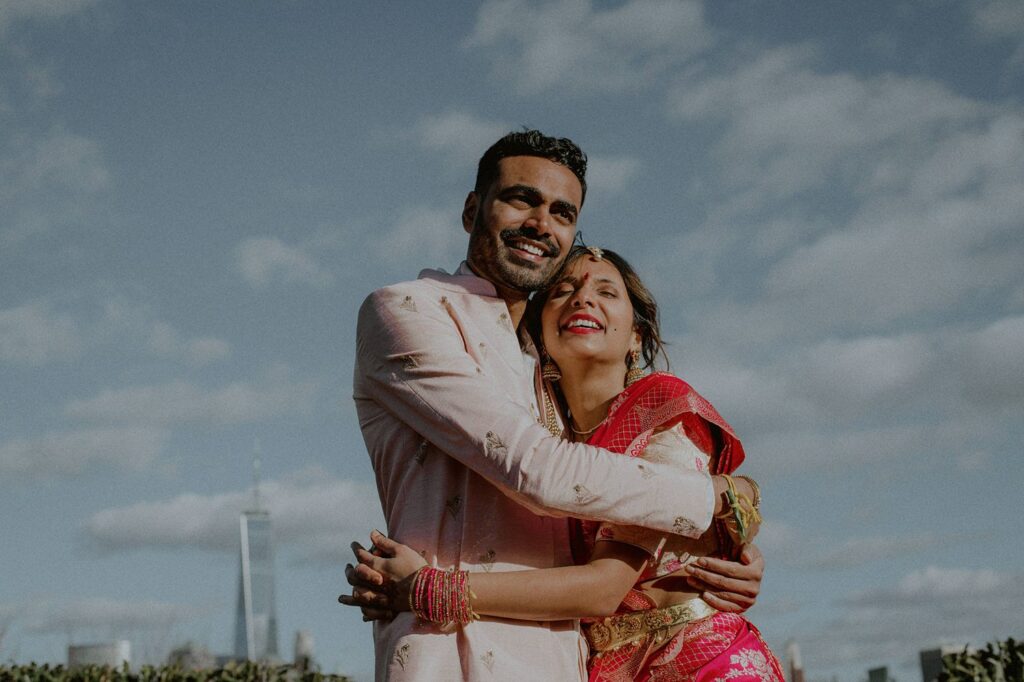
{"type": "Point", "coordinates": [446, 395]}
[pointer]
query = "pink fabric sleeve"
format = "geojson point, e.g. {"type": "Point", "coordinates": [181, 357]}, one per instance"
{"type": "Point", "coordinates": [645, 539]}
{"type": "Point", "coordinates": [416, 366]}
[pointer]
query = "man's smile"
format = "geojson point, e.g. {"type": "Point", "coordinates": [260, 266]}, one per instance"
{"type": "Point", "coordinates": [532, 250]}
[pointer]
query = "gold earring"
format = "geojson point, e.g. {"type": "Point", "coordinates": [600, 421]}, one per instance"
{"type": "Point", "coordinates": [633, 371]}
{"type": "Point", "coordinates": [549, 370]}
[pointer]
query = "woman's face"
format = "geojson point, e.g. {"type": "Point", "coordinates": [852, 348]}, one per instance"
{"type": "Point", "coordinates": [588, 316]}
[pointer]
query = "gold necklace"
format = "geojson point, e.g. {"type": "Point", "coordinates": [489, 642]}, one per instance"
{"type": "Point", "coordinates": [588, 431]}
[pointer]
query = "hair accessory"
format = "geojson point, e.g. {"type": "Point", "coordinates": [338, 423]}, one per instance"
{"type": "Point", "coordinates": [442, 596]}
{"type": "Point", "coordinates": [549, 370]}
{"type": "Point", "coordinates": [633, 371]}
{"type": "Point", "coordinates": [595, 251]}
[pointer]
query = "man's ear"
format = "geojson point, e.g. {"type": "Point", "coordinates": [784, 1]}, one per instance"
{"type": "Point", "coordinates": [469, 210]}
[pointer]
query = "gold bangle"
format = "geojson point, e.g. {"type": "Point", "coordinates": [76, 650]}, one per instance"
{"type": "Point", "coordinates": [755, 487]}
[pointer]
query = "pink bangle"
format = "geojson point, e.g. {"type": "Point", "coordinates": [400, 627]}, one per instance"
{"type": "Point", "coordinates": [441, 596]}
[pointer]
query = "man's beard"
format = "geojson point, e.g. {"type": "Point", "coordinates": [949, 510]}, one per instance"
{"type": "Point", "coordinates": [492, 254]}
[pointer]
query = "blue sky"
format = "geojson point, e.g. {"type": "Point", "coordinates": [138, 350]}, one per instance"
{"type": "Point", "coordinates": [195, 197]}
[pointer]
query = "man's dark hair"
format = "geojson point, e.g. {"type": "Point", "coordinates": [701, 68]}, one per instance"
{"type": "Point", "coordinates": [561, 150]}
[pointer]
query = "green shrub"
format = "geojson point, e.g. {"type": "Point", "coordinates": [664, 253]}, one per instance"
{"type": "Point", "coordinates": [232, 672]}
{"type": "Point", "coordinates": [1001, 662]}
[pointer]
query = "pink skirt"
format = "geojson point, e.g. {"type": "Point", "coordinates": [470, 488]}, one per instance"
{"type": "Point", "coordinates": [724, 646]}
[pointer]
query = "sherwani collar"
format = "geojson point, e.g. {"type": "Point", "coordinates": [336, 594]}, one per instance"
{"type": "Point", "coordinates": [463, 281]}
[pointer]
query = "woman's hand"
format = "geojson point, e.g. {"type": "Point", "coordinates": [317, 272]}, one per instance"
{"type": "Point", "coordinates": [382, 580]}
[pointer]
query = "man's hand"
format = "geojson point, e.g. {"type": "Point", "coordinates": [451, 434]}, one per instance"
{"type": "Point", "coordinates": [730, 586]}
{"type": "Point", "coordinates": [383, 578]}
{"type": "Point", "coordinates": [369, 591]}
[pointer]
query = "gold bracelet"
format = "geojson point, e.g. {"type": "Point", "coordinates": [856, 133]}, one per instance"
{"type": "Point", "coordinates": [756, 488]}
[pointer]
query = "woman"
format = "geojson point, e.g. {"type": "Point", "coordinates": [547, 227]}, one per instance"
{"type": "Point", "coordinates": [595, 324]}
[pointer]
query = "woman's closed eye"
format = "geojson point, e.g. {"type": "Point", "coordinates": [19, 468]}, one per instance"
{"type": "Point", "coordinates": [563, 290]}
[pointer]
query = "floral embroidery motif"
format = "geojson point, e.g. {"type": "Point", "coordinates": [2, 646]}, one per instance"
{"type": "Point", "coordinates": [488, 660]}
{"type": "Point", "coordinates": [493, 445]}
{"type": "Point", "coordinates": [505, 322]}
{"type": "Point", "coordinates": [421, 452]}
{"type": "Point", "coordinates": [453, 505]}
{"type": "Point", "coordinates": [408, 304]}
{"type": "Point", "coordinates": [409, 361]}
{"type": "Point", "coordinates": [751, 662]}
{"type": "Point", "coordinates": [483, 350]}
{"type": "Point", "coordinates": [444, 301]}
{"type": "Point", "coordinates": [583, 494]}
{"type": "Point", "coordinates": [684, 526]}
{"type": "Point", "coordinates": [402, 655]}
{"type": "Point", "coordinates": [645, 472]}
{"type": "Point", "coordinates": [487, 560]}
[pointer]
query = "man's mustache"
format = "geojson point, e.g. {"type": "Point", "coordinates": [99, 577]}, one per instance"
{"type": "Point", "coordinates": [529, 233]}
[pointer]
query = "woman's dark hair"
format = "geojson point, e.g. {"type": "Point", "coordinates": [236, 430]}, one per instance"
{"type": "Point", "coordinates": [645, 308]}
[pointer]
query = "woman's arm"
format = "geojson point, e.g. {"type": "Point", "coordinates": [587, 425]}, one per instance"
{"type": "Point", "coordinates": [593, 589]}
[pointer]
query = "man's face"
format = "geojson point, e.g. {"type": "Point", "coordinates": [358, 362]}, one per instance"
{"type": "Point", "coordinates": [522, 227]}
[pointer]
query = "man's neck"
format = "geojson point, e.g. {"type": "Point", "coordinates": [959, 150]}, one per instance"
{"type": "Point", "coordinates": [514, 299]}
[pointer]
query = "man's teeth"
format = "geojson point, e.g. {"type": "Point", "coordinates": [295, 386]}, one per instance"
{"type": "Point", "coordinates": [529, 248]}
{"type": "Point", "coordinates": [583, 323]}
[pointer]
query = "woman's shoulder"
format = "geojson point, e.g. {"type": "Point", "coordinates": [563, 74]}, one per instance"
{"type": "Point", "coordinates": [664, 382]}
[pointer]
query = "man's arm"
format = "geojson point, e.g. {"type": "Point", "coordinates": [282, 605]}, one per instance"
{"type": "Point", "coordinates": [412, 360]}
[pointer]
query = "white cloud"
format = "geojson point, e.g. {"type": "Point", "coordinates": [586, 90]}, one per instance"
{"type": "Point", "coordinates": [791, 128]}
{"type": "Point", "coordinates": [127, 322]}
{"type": "Point", "coordinates": [165, 341]}
{"type": "Point", "coordinates": [571, 46]}
{"type": "Point", "coordinates": [926, 608]}
{"type": "Point", "coordinates": [611, 174]}
{"type": "Point", "coordinates": [60, 617]}
{"type": "Point", "coordinates": [992, 366]}
{"type": "Point", "coordinates": [998, 18]}
{"type": "Point", "coordinates": [34, 334]}
{"type": "Point", "coordinates": [834, 445]}
{"type": "Point", "coordinates": [922, 189]}
{"type": "Point", "coordinates": [262, 260]}
{"type": "Point", "coordinates": [12, 11]}
{"type": "Point", "coordinates": [423, 237]}
{"type": "Point", "coordinates": [42, 332]}
{"type": "Point", "coordinates": [459, 135]}
{"type": "Point", "coordinates": [45, 181]}
{"type": "Point", "coordinates": [857, 551]}
{"type": "Point", "coordinates": [74, 452]}
{"type": "Point", "coordinates": [863, 369]}
{"type": "Point", "coordinates": [180, 402]}
{"type": "Point", "coordinates": [316, 513]}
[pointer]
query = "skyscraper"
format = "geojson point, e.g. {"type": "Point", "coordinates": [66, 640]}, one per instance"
{"type": "Point", "coordinates": [256, 617]}
{"type": "Point", "coordinates": [796, 666]}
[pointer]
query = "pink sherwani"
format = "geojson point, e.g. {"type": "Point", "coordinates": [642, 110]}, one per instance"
{"type": "Point", "coordinates": [446, 399]}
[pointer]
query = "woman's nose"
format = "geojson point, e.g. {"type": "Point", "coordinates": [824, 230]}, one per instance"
{"type": "Point", "coordinates": [581, 298]}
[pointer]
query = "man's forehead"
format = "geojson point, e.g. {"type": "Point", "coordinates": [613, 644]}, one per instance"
{"type": "Point", "coordinates": [541, 173]}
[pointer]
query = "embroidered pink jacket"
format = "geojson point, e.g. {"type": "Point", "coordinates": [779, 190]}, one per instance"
{"type": "Point", "coordinates": [446, 398]}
